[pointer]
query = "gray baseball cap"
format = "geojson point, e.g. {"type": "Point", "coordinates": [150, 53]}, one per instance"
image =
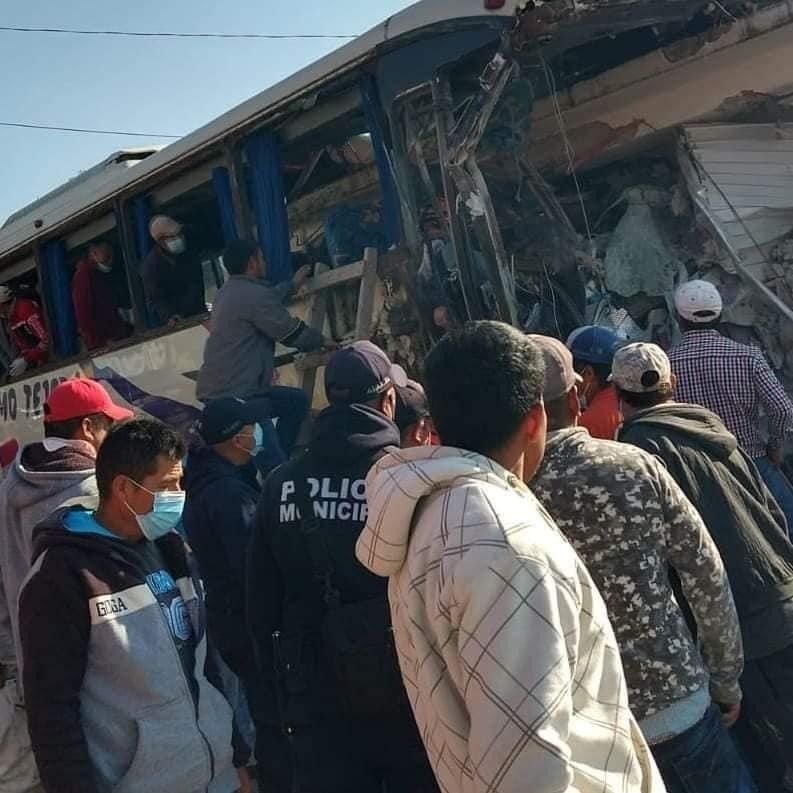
{"type": "Point", "coordinates": [560, 376]}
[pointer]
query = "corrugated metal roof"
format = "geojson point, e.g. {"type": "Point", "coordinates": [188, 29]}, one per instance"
{"type": "Point", "coordinates": [742, 177]}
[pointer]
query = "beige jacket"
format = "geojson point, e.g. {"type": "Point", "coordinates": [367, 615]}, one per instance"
{"type": "Point", "coordinates": [505, 648]}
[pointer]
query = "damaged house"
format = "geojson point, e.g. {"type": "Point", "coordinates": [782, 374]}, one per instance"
{"type": "Point", "coordinates": [598, 153]}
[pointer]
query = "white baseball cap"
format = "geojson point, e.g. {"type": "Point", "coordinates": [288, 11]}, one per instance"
{"type": "Point", "coordinates": [163, 226]}
{"type": "Point", "coordinates": [698, 301]}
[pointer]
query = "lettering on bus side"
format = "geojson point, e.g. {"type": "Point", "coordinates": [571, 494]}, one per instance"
{"type": "Point", "coordinates": [8, 404]}
{"type": "Point", "coordinates": [37, 393]}
{"type": "Point", "coordinates": [27, 398]}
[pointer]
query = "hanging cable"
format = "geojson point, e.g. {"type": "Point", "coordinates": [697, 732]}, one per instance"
{"type": "Point", "coordinates": [22, 125]}
{"type": "Point", "coordinates": [568, 147]}
{"type": "Point", "coordinates": [175, 35]}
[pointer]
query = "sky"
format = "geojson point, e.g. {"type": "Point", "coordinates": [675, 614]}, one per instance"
{"type": "Point", "coordinates": [167, 86]}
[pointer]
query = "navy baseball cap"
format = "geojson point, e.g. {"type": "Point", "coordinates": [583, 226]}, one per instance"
{"type": "Point", "coordinates": [361, 372]}
{"type": "Point", "coordinates": [223, 418]}
{"type": "Point", "coordinates": [411, 405]}
{"type": "Point", "coordinates": [593, 344]}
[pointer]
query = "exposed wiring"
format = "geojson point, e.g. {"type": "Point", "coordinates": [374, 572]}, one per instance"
{"type": "Point", "coordinates": [22, 125]}
{"type": "Point", "coordinates": [175, 35]}
{"type": "Point", "coordinates": [569, 151]}
{"type": "Point", "coordinates": [553, 298]}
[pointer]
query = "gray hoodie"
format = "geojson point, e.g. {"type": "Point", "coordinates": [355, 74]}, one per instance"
{"type": "Point", "coordinates": [45, 477]}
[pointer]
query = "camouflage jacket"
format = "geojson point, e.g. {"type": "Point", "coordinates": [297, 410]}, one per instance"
{"type": "Point", "coordinates": [628, 520]}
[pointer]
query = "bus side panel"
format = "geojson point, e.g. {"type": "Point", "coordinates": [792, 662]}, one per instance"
{"type": "Point", "coordinates": [156, 377]}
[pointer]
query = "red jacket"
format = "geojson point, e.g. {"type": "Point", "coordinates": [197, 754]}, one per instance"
{"type": "Point", "coordinates": [603, 418]}
{"type": "Point", "coordinates": [95, 307]}
{"type": "Point", "coordinates": [28, 332]}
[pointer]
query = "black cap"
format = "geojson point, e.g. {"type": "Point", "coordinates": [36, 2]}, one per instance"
{"type": "Point", "coordinates": [361, 372]}
{"type": "Point", "coordinates": [223, 418]}
{"type": "Point", "coordinates": [411, 405]}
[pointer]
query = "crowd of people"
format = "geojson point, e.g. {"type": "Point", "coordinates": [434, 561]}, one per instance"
{"type": "Point", "coordinates": [539, 569]}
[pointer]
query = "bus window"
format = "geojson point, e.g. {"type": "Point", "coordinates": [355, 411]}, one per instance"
{"type": "Point", "coordinates": [334, 202]}
{"type": "Point", "coordinates": [24, 341]}
{"type": "Point", "coordinates": [100, 294]}
{"type": "Point", "coordinates": [182, 272]}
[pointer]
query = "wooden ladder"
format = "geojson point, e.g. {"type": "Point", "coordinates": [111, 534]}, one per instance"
{"type": "Point", "coordinates": [320, 290]}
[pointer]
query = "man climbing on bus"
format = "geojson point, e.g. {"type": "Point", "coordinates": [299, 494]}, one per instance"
{"type": "Point", "coordinates": [173, 281]}
{"type": "Point", "coordinates": [26, 329]}
{"type": "Point", "coordinates": [95, 306]}
{"type": "Point", "coordinates": [248, 318]}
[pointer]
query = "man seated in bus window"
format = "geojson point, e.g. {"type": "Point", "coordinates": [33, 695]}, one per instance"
{"type": "Point", "coordinates": [248, 318]}
{"type": "Point", "coordinates": [25, 325]}
{"type": "Point", "coordinates": [99, 319]}
{"type": "Point", "coordinates": [173, 281]}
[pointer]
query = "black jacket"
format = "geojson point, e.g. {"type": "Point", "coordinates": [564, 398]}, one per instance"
{"type": "Point", "coordinates": [738, 509]}
{"type": "Point", "coordinates": [286, 594]}
{"type": "Point", "coordinates": [218, 516]}
{"type": "Point", "coordinates": [173, 285]}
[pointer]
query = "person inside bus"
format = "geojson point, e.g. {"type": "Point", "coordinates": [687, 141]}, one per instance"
{"type": "Point", "coordinates": [98, 314]}
{"type": "Point", "coordinates": [248, 318]}
{"type": "Point", "coordinates": [173, 281]}
{"type": "Point", "coordinates": [25, 326]}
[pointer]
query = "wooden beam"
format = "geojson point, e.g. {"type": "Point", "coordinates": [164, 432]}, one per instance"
{"type": "Point", "coordinates": [366, 295]}
{"type": "Point", "coordinates": [350, 187]}
{"type": "Point", "coordinates": [316, 320]}
{"type": "Point", "coordinates": [330, 278]}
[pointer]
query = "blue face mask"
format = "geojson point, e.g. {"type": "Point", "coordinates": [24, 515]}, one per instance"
{"type": "Point", "coordinates": [166, 512]}
{"type": "Point", "coordinates": [258, 441]}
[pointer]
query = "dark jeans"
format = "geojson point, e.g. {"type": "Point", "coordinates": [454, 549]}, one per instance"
{"type": "Point", "coordinates": [780, 487]}
{"type": "Point", "coordinates": [765, 730]}
{"type": "Point", "coordinates": [703, 760]}
{"type": "Point", "coordinates": [289, 407]}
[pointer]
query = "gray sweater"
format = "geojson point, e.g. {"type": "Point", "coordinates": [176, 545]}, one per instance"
{"type": "Point", "coordinates": [248, 318]}
{"type": "Point", "coordinates": [40, 482]}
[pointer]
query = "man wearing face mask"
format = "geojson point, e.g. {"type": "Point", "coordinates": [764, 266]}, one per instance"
{"type": "Point", "coordinates": [173, 281]}
{"type": "Point", "coordinates": [593, 351]}
{"type": "Point", "coordinates": [222, 493]}
{"type": "Point", "coordinates": [334, 714]}
{"type": "Point", "coordinates": [113, 635]}
{"type": "Point", "coordinates": [99, 321]}
{"type": "Point", "coordinates": [42, 477]}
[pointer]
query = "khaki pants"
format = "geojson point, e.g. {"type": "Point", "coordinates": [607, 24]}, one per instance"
{"type": "Point", "coordinates": [18, 772]}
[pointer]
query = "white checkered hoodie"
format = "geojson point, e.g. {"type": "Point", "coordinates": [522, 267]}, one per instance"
{"type": "Point", "coordinates": [504, 643]}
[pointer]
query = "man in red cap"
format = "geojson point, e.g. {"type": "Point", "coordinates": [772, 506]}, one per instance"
{"type": "Point", "coordinates": [45, 476]}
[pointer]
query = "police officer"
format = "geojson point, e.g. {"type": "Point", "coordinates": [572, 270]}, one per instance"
{"type": "Point", "coordinates": [334, 715]}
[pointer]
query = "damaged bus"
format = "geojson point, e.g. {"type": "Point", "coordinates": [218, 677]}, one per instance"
{"type": "Point", "coordinates": [547, 163]}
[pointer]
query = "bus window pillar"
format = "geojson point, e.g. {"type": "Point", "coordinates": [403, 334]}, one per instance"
{"type": "Point", "coordinates": [131, 265]}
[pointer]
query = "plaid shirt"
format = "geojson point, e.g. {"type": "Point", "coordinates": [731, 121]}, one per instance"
{"type": "Point", "coordinates": [504, 643]}
{"type": "Point", "coordinates": [735, 382]}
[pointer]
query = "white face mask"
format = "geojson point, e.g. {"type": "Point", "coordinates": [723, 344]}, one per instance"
{"type": "Point", "coordinates": [176, 245]}
{"type": "Point", "coordinates": [104, 268]}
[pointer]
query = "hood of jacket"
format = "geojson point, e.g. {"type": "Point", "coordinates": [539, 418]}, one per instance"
{"type": "Point", "coordinates": [346, 435]}
{"type": "Point", "coordinates": [39, 475]}
{"type": "Point", "coordinates": [205, 467]}
{"type": "Point", "coordinates": [395, 488]}
{"type": "Point", "coordinates": [699, 424]}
